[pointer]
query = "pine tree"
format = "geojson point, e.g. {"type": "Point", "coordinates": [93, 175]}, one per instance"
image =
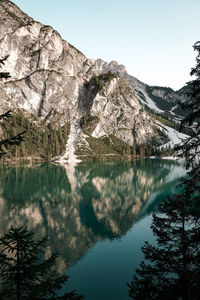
{"type": "Point", "coordinates": [24, 274]}
{"type": "Point", "coordinates": [190, 148]}
{"type": "Point", "coordinates": [133, 150]}
{"type": "Point", "coordinates": [61, 140]}
{"type": "Point", "coordinates": [4, 75]}
{"type": "Point", "coordinates": [5, 144]}
{"type": "Point", "coordinates": [172, 267]}
{"type": "Point", "coordinates": [17, 138]}
{"type": "Point", "coordinates": [142, 150]}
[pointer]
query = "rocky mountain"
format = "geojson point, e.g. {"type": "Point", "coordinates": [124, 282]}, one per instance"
{"type": "Point", "coordinates": [50, 79]}
{"type": "Point", "coordinates": [162, 100]}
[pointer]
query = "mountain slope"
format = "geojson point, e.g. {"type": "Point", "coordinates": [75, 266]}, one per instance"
{"type": "Point", "coordinates": [162, 100]}
{"type": "Point", "coordinates": [54, 81]}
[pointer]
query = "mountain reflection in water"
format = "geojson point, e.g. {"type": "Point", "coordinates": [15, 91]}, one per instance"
{"type": "Point", "coordinates": [76, 207]}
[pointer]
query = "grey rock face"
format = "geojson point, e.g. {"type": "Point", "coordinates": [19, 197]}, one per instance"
{"type": "Point", "coordinates": [120, 113]}
{"type": "Point", "coordinates": [12, 17]}
{"type": "Point", "coordinates": [42, 66]}
{"type": "Point", "coordinates": [48, 78]}
{"type": "Point", "coordinates": [159, 99]}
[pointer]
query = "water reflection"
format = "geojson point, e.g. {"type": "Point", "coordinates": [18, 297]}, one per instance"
{"type": "Point", "coordinates": [78, 207]}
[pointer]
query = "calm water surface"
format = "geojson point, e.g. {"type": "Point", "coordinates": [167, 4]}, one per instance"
{"type": "Point", "coordinates": [97, 215]}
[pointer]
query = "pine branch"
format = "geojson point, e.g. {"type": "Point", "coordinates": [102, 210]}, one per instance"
{"type": "Point", "coordinates": [3, 59]}
{"type": "Point", "coordinates": [6, 115]}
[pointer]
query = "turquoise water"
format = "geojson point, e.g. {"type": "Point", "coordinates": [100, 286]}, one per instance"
{"type": "Point", "coordinates": [97, 215]}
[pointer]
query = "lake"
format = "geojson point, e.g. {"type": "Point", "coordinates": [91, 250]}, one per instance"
{"type": "Point", "coordinates": [97, 214]}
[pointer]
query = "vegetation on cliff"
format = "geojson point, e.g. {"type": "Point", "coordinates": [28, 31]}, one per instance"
{"type": "Point", "coordinates": [96, 83]}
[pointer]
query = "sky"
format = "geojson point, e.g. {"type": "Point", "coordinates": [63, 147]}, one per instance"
{"type": "Point", "coordinates": [153, 39]}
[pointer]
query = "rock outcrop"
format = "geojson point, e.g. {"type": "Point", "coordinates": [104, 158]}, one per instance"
{"type": "Point", "coordinates": [162, 100]}
{"type": "Point", "coordinates": [55, 81]}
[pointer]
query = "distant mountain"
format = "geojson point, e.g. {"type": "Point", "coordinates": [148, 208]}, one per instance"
{"type": "Point", "coordinates": [53, 83]}
{"type": "Point", "coordinates": [162, 100]}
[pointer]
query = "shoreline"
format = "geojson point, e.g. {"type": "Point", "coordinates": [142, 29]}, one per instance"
{"type": "Point", "coordinates": [82, 158]}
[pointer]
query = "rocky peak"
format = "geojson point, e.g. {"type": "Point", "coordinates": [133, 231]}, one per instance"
{"type": "Point", "coordinates": [120, 113]}
{"type": "Point", "coordinates": [162, 100]}
{"type": "Point", "coordinates": [53, 80]}
{"type": "Point", "coordinates": [11, 17]}
{"type": "Point", "coordinates": [42, 66]}
{"type": "Point", "coordinates": [103, 66]}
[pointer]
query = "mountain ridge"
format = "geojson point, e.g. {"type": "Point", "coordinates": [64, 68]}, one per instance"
{"type": "Point", "coordinates": [54, 81]}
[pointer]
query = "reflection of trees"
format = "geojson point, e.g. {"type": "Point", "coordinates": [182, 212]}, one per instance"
{"type": "Point", "coordinates": [105, 202]}
{"type": "Point", "coordinates": [27, 185]}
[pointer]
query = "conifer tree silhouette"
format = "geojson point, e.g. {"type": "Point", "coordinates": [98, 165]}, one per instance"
{"type": "Point", "coordinates": [171, 269]}
{"type": "Point", "coordinates": [24, 273]}
{"type": "Point", "coordinates": [190, 147]}
{"type": "Point", "coordinates": [14, 140]}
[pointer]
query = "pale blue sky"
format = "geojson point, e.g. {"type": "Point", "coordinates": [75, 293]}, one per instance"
{"type": "Point", "coordinates": [152, 38]}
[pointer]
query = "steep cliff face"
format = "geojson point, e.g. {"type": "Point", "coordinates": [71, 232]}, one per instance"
{"type": "Point", "coordinates": [120, 113]}
{"type": "Point", "coordinates": [12, 17]}
{"type": "Point", "coordinates": [42, 66]}
{"type": "Point", "coordinates": [162, 100]}
{"type": "Point", "coordinates": [53, 80]}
